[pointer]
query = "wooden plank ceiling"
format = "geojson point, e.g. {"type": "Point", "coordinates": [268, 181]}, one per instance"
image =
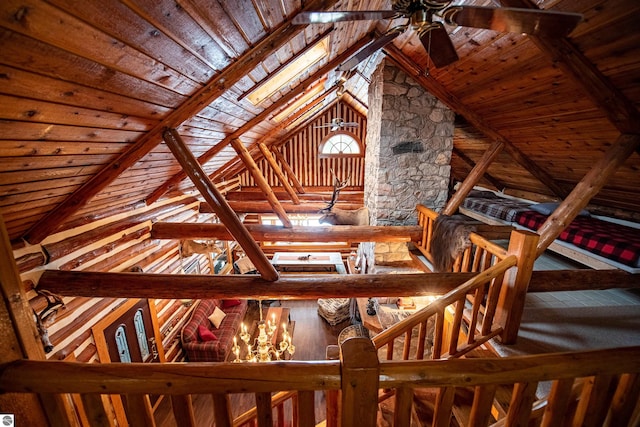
{"type": "Point", "coordinates": [88, 87]}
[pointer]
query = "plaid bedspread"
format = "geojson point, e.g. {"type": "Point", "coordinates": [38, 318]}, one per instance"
{"type": "Point", "coordinates": [504, 209]}
{"type": "Point", "coordinates": [609, 240]}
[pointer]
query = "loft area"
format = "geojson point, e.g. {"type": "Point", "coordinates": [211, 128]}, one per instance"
{"type": "Point", "coordinates": [137, 173]}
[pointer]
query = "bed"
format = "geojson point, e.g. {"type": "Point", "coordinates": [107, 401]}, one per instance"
{"type": "Point", "coordinates": [591, 240]}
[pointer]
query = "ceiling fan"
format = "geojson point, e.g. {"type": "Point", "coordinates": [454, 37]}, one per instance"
{"type": "Point", "coordinates": [432, 33]}
{"type": "Point", "coordinates": [337, 123]}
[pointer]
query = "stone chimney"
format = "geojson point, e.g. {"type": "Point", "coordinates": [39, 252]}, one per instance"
{"type": "Point", "coordinates": [409, 143]}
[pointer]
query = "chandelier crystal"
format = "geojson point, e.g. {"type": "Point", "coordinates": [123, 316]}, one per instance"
{"type": "Point", "coordinates": [262, 349]}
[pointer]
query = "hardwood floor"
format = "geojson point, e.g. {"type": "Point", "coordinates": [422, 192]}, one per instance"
{"type": "Point", "coordinates": [311, 336]}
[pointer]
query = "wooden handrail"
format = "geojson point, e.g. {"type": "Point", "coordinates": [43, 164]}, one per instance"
{"type": "Point", "coordinates": [618, 369]}
{"type": "Point", "coordinates": [438, 306]}
{"type": "Point", "coordinates": [26, 376]}
{"type": "Point", "coordinates": [472, 259]}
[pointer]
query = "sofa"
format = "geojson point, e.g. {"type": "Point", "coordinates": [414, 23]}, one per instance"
{"type": "Point", "coordinates": [201, 340]}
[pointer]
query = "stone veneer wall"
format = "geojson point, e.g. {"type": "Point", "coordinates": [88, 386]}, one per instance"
{"type": "Point", "coordinates": [401, 111]}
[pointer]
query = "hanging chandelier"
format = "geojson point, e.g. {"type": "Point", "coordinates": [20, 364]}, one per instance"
{"type": "Point", "coordinates": [262, 348]}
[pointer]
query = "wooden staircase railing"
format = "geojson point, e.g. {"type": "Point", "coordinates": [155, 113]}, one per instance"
{"type": "Point", "coordinates": [599, 387]}
{"type": "Point", "coordinates": [300, 402]}
{"type": "Point", "coordinates": [481, 255]}
{"type": "Point", "coordinates": [468, 316]}
{"type": "Point", "coordinates": [470, 310]}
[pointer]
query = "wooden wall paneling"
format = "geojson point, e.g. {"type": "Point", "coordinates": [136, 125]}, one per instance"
{"type": "Point", "coordinates": [30, 110]}
{"type": "Point", "coordinates": [50, 25]}
{"type": "Point", "coordinates": [203, 96]}
{"type": "Point", "coordinates": [54, 62]}
{"type": "Point", "coordinates": [24, 84]}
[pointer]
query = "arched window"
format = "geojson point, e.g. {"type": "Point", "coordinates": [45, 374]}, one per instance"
{"type": "Point", "coordinates": [340, 144]}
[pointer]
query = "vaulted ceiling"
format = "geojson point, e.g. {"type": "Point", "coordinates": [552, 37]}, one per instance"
{"type": "Point", "coordinates": [89, 87]}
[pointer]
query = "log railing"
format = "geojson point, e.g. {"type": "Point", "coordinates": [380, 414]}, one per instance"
{"type": "Point", "coordinates": [467, 311]}
{"type": "Point", "coordinates": [481, 255]}
{"type": "Point", "coordinates": [299, 403]}
{"type": "Point", "coordinates": [599, 387]}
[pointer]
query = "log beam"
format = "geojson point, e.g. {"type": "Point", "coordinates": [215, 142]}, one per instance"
{"type": "Point", "coordinates": [276, 169]}
{"type": "Point", "coordinates": [262, 116]}
{"type": "Point", "coordinates": [588, 187]}
{"type": "Point", "coordinates": [620, 110]}
{"type": "Point", "coordinates": [273, 233]}
{"type": "Point", "coordinates": [219, 204]}
{"type": "Point", "coordinates": [472, 179]}
{"type": "Point", "coordinates": [319, 194]}
{"type": "Point", "coordinates": [253, 168]}
{"type": "Point", "coordinates": [191, 286]}
{"type": "Point", "coordinates": [203, 97]}
{"type": "Point", "coordinates": [499, 185]}
{"type": "Point", "coordinates": [290, 173]}
{"type": "Point", "coordinates": [264, 207]}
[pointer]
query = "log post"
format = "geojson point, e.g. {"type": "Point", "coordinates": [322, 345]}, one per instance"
{"type": "Point", "coordinates": [276, 169]}
{"type": "Point", "coordinates": [183, 410]}
{"type": "Point", "coordinates": [262, 183]}
{"type": "Point", "coordinates": [222, 410]}
{"type": "Point", "coordinates": [139, 411]}
{"type": "Point", "coordinates": [19, 337]}
{"type": "Point", "coordinates": [588, 187]}
{"type": "Point", "coordinates": [516, 281]}
{"type": "Point", "coordinates": [472, 179]}
{"type": "Point", "coordinates": [219, 204]}
{"type": "Point", "coordinates": [292, 176]}
{"type": "Point", "coordinates": [360, 380]}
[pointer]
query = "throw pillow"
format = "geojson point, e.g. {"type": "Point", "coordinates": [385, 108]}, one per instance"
{"type": "Point", "coordinates": [217, 316]}
{"type": "Point", "coordinates": [206, 334]}
{"type": "Point", "coordinates": [548, 208]}
{"type": "Point", "coordinates": [230, 303]}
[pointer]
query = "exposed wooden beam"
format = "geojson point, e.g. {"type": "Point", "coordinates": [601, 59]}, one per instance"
{"type": "Point", "coordinates": [272, 233]}
{"type": "Point", "coordinates": [303, 286]}
{"type": "Point", "coordinates": [265, 207]}
{"type": "Point", "coordinates": [588, 187]}
{"type": "Point", "coordinates": [494, 181]}
{"type": "Point", "coordinates": [217, 201]}
{"type": "Point", "coordinates": [472, 117]}
{"type": "Point", "coordinates": [259, 118]}
{"type": "Point", "coordinates": [472, 178]}
{"type": "Point", "coordinates": [352, 195]}
{"type": "Point", "coordinates": [237, 168]}
{"type": "Point", "coordinates": [203, 97]}
{"type": "Point", "coordinates": [252, 286]}
{"type": "Point", "coordinates": [253, 168]}
{"type": "Point", "coordinates": [621, 111]}
{"type": "Point", "coordinates": [276, 169]}
{"type": "Point", "coordinates": [290, 173]}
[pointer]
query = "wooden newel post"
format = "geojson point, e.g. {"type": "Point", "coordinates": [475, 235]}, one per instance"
{"type": "Point", "coordinates": [522, 244]}
{"type": "Point", "coordinates": [360, 381]}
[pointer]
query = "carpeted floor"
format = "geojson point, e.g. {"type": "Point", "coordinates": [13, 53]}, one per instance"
{"type": "Point", "coordinates": [568, 321]}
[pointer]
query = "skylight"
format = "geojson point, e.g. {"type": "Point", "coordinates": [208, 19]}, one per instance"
{"type": "Point", "coordinates": [308, 95]}
{"type": "Point", "coordinates": [290, 72]}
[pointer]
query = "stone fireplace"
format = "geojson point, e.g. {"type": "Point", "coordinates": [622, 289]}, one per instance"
{"type": "Point", "coordinates": [409, 143]}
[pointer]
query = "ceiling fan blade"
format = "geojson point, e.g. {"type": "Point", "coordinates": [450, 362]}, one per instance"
{"type": "Point", "coordinates": [368, 50]}
{"type": "Point", "coordinates": [513, 20]}
{"type": "Point", "coordinates": [325, 17]}
{"type": "Point", "coordinates": [440, 47]}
